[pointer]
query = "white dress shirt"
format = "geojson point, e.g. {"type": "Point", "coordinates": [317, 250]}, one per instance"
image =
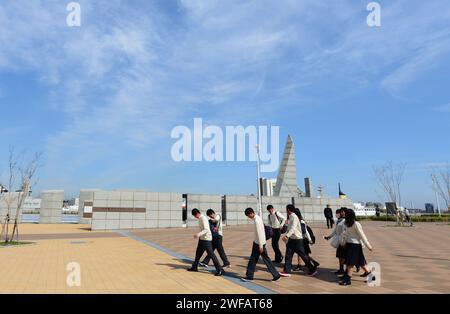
{"type": "Point", "coordinates": [276, 220]}
{"type": "Point", "coordinates": [294, 230]}
{"type": "Point", "coordinates": [355, 234]}
{"type": "Point", "coordinates": [259, 236]}
{"type": "Point", "coordinates": [205, 232]}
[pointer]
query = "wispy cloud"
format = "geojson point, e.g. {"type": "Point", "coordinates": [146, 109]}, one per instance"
{"type": "Point", "coordinates": [134, 70]}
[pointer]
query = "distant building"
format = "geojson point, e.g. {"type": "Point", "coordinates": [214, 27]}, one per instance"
{"type": "Point", "coordinates": [429, 208]}
{"type": "Point", "coordinates": [361, 210]}
{"type": "Point", "coordinates": [267, 186]}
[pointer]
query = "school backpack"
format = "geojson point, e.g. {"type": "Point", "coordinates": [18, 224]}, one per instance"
{"type": "Point", "coordinates": [311, 233]}
{"type": "Point", "coordinates": [283, 228]}
{"type": "Point", "coordinates": [214, 229]}
{"type": "Point", "coordinates": [306, 228]}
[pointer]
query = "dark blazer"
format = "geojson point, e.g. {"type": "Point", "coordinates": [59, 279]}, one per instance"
{"type": "Point", "coordinates": [328, 212]}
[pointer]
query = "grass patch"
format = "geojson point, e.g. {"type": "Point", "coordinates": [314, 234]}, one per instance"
{"type": "Point", "coordinates": [14, 243]}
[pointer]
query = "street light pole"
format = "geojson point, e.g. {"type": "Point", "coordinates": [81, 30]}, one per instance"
{"type": "Point", "coordinates": [433, 177]}
{"type": "Point", "coordinates": [258, 182]}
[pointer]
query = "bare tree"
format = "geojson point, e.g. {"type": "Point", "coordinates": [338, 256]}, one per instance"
{"type": "Point", "coordinates": [25, 172]}
{"type": "Point", "coordinates": [441, 178]}
{"type": "Point", "coordinates": [389, 177]}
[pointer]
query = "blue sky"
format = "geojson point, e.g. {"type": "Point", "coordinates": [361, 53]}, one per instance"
{"type": "Point", "coordinates": [101, 100]}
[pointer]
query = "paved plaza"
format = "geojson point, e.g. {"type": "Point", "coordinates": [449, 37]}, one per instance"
{"type": "Point", "coordinates": [109, 262]}
{"type": "Point", "coordinates": [413, 260]}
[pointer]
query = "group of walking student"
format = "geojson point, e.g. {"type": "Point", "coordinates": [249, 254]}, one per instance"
{"type": "Point", "coordinates": [347, 237]}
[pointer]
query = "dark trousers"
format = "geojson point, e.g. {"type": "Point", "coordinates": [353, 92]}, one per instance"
{"type": "Point", "coordinates": [296, 246]}
{"type": "Point", "coordinates": [330, 222]}
{"type": "Point", "coordinates": [217, 245]}
{"type": "Point", "coordinates": [254, 260]}
{"type": "Point", "coordinates": [275, 245]}
{"type": "Point", "coordinates": [203, 246]}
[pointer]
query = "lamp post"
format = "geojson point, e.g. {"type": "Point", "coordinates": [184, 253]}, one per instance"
{"type": "Point", "coordinates": [258, 182]}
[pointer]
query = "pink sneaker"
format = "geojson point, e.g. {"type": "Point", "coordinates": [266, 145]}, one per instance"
{"type": "Point", "coordinates": [282, 274]}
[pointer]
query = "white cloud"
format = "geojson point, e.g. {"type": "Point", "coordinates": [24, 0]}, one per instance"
{"type": "Point", "coordinates": [130, 73]}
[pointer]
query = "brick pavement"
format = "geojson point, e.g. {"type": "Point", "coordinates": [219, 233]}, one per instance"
{"type": "Point", "coordinates": [108, 265]}
{"type": "Point", "coordinates": [413, 260]}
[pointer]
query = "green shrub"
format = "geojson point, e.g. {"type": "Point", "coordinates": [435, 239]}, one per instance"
{"type": "Point", "coordinates": [421, 218]}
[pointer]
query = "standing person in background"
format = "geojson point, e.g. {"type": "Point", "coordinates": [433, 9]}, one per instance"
{"type": "Point", "coordinates": [294, 244]}
{"type": "Point", "coordinates": [215, 221]}
{"type": "Point", "coordinates": [259, 249]}
{"type": "Point", "coordinates": [276, 222]}
{"type": "Point", "coordinates": [336, 234]}
{"type": "Point", "coordinates": [328, 213]}
{"type": "Point", "coordinates": [204, 243]}
{"type": "Point", "coordinates": [354, 238]}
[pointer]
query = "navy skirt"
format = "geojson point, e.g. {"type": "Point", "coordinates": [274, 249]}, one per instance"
{"type": "Point", "coordinates": [340, 252]}
{"type": "Point", "coordinates": [354, 255]}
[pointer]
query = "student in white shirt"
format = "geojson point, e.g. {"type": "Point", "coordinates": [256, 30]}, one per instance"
{"type": "Point", "coordinates": [354, 238]}
{"type": "Point", "coordinates": [215, 221]}
{"type": "Point", "coordinates": [276, 221]}
{"type": "Point", "coordinates": [204, 243]}
{"type": "Point", "coordinates": [294, 244]}
{"type": "Point", "coordinates": [337, 233]}
{"type": "Point", "coordinates": [259, 249]}
{"type": "Point", "coordinates": [307, 240]}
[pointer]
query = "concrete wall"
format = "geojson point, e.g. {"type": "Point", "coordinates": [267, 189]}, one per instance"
{"type": "Point", "coordinates": [143, 210]}
{"type": "Point", "coordinates": [236, 204]}
{"type": "Point", "coordinates": [86, 195]}
{"type": "Point", "coordinates": [51, 207]}
{"type": "Point", "coordinates": [136, 210]}
{"type": "Point", "coordinates": [202, 202]}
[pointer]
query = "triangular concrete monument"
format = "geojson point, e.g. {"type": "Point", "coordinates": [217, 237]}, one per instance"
{"type": "Point", "coordinates": [286, 185]}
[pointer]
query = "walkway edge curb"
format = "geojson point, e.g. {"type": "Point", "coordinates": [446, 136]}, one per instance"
{"type": "Point", "coordinates": [248, 285]}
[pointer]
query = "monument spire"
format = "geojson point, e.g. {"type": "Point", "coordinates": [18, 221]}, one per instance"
{"type": "Point", "coordinates": [286, 185]}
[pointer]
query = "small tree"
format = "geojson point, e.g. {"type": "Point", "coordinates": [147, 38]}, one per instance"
{"type": "Point", "coordinates": [25, 172]}
{"type": "Point", "coordinates": [389, 177]}
{"type": "Point", "coordinates": [441, 178]}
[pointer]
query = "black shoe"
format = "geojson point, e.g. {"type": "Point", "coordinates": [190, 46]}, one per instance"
{"type": "Point", "coordinates": [276, 278]}
{"type": "Point", "coordinates": [313, 273]}
{"type": "Point", "coordinates": [277, 261]}
{"type": "Point", "coordinates": [346, 282]}
{"type": "Point", "coordinates": [365, 274]}
{"type": "Point", "coordinates": [192, 269]}
{"type": "Point", "coordinates": [219, 273]}
{"type": "Point", "coordinates": [358, 269]}
{"type": "Point", "coordinates": [339, 272]}
{"type": "Point", "coordinates": [298, 267]}
{"type": "Point", "coordinates": [316, 264]}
